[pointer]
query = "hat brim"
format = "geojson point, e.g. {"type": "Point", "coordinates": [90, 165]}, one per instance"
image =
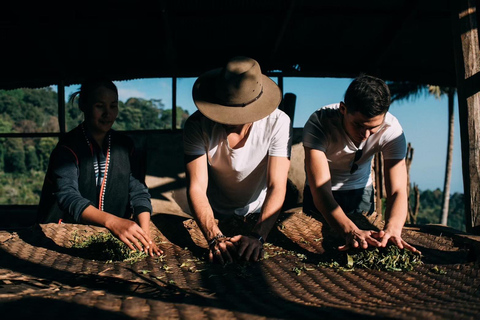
{"type": "Point", "coordinates": [204, 98]}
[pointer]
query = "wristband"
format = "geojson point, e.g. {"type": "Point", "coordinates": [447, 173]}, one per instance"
{"type": "Point", "coordinates": [257, 236]}
{"type": "Point", "coordinates": [215, 239]}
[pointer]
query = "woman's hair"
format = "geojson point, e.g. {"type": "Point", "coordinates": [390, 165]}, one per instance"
{"type": "Point", "coordinates": [87, 89]}
{"type": "Point", "coordinates": [368, 95]}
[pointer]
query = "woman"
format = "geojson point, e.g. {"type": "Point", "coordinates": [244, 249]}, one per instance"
{"type": "Point", "coordinates": [90, 179]}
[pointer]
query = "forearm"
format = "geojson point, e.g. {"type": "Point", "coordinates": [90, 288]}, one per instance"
{"type": "Point", "coordinates": [396, 211]}
{"type": "Point", "coordinates": [92, 215]}
{"type": "Point", "coordinates": [139, 196]}
{"type": "Point", "coordinates": [397, 198]}
{"type": "Point", "coordinates": [332, 212]}
{"type": "Point", "coordinates": [144, 220]}
{"type": "Point", "coordinates": [203, 213]}
{"type": "Point", "coordinates": [270, 211]}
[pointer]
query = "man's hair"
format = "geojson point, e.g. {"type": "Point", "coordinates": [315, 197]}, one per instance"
{"type": "Point", "coordinates": [368, 95]}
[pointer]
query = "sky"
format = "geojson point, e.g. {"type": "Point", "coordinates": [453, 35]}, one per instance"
{"type": "Point", "coordinates": [424, 119]}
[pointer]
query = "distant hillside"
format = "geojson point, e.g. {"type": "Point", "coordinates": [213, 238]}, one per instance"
{"type": "Point", "coordinates": [431, 209]}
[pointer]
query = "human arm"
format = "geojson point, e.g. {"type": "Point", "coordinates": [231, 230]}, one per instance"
{"type": "Point", "coordinates": [126, 230]}
{"type": "Point", "coordinates": [397, 202]}
{"type": "Point", "coordinates": [142, 209]}
{"type": "Point", "coordinates": [318, 175]}
{"type": "Point", "coordinates": [196, 171]}
{"type": "Point", "coordinates": [250, 247]}
{"type": "Point", "coordinates": [143, 219]}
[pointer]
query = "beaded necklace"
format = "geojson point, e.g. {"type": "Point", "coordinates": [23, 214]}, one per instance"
{"type": "Point", "coordinates": [107, 162]}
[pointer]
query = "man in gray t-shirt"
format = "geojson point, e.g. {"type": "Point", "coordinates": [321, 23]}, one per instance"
{"type": "Point", "coordinates": [340, 141]}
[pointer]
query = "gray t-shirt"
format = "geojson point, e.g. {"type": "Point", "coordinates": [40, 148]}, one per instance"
{"type": "Point", "coordinates": [237, 178]}
{"type": "Point", "coordinates": [324, 131]}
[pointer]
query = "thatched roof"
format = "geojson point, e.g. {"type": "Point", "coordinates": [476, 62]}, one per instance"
{"type": "Point", "coordinates": [44, 43]}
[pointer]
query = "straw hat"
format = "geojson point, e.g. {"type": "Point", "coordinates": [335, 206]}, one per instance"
{"type": "Point", "coordinates": [236, 94]}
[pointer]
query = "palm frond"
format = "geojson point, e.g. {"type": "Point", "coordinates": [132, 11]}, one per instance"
{"type": "Point", "coordinates": [405, 90]}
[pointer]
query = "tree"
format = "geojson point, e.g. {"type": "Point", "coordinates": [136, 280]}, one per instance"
{"type": "Point", "coordinates": [409, 90]}
{"type": "Point", "coordinates": [14, 158]}
{"type": "Point", "coordinates": [31, 158]}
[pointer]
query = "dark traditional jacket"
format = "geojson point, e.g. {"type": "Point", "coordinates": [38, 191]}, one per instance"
{"type": "Point", "coordinates": [70, 184]}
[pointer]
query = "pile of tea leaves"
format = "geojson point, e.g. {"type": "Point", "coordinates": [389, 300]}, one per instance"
{"type": "Point", "coordinates": [390, 258]}
{"type": "Point", "coordinates": [106, 247]}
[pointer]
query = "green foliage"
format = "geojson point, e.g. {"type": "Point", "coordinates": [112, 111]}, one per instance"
{"type": "Point", "coordinates": [31, 158]}
{"type": "Point", "coordinates": [6, 123]}
{"type": "Point", "coordinates": [430, 211]}
{"type": "Point", "coordinates": [14, 158]}
{"type": "Point", "coordinates": [21, 188]}
{"type": "Point", "coordinates": [28, 109]}
{"type": "Point", "coordinates": [181, 116]}
{"type": "Point", "coordinates": [105, 247]}
{"type": "Point", "coordinates": [44, 148]}
{"type": "Point", "coordinates": [390, 258]}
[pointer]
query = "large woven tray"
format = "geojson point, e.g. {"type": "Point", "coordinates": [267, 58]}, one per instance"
{"type": "Point", "coordinates": [41, 276]}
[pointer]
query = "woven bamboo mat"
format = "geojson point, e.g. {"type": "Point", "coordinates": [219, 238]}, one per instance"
{"type": "Point", "coordinates": [40, 275]}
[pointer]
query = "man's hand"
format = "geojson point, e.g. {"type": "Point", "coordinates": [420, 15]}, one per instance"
{"type": "Point", "coordinates": [249, 248]}
{"type": "Point", "coordinates": [360, 239]}
{"type": "Point", "coordinates": [395, 238]}
{"type": "Point", "coordinates": [221, 251]}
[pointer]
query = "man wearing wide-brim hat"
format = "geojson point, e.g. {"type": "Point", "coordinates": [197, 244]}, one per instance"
{"type": "Point", "coordinates": [237, 154]}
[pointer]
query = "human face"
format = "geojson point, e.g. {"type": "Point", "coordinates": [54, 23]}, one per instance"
{"type": "Point", "coordinates": [102, 110]}
{"type": "Point", "coordinates": [358, 126]}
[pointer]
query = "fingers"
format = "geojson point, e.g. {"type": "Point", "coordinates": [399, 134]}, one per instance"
{"type": "Point", "coordinates": [371, 240]}
{"type": "Point", "coordinates": [221, 252]}
{"type": "Point", "coordinates": [236, 238]}
{"type": "Point", "coordinates": [360, 239]}
{"type": "Point", "coordinates": [139, 239]}
{"type": "Point", "coordinates": [127, 242]}
{"type": "Point", "coordinates": [154, 250]}
{"type": "Point", "coordinates": [410, 247]}
{"type": "Point", "coordinates": [244, 247]}
{"type": "Point", "coordinates": [131, 234]}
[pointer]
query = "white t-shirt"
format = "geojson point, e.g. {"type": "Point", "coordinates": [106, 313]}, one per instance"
{"type": "Point", "coordinates": [237, 178]}
{"type": "Point", "coordinates": [324, 131]}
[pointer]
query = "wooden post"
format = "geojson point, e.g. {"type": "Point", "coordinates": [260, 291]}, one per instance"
{"type": "Point", "coordinates": [288, 105]}
{"type": "Point", "coordinates": [61, 107]}
{"type": "Point", "coordinates": [408, 162]}
{"type": "Point", "coordinates": [467, 63]}
{"type": "Point", "coordinates": [379, 183]}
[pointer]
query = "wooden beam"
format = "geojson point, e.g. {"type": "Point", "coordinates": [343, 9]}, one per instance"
{"type": "Point", "coordinates": [467, 62]}
{"type": "Point", "coordinates": [61, 106]}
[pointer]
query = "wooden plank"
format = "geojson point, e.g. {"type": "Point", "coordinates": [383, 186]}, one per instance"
{"type": "Point", "coordinates": [467, 56]}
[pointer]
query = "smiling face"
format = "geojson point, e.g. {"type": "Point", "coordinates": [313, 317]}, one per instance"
{"type": "Point", "coordinates": [358, 126]}
{"type": "Point", "coordinates": [101, 110]}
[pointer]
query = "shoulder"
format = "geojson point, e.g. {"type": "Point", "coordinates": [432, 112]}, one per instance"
{"type": "Point", "coordinates": [392, 121]}
{"type": "Point", "coordinates": [326, 116]}
{"type": "Point", "coordinates": [392, 127]}
{"type": "Point", "coordinates": [278, 116]}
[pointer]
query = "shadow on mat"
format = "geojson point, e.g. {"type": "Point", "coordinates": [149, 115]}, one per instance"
{"type": "Point", "coordinates": [259, 302]}
{"type": "Point", "coordinates": [43, 308]}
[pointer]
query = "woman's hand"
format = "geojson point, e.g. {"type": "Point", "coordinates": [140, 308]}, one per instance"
{"type": "Point", "coordinates": [130, 233]}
